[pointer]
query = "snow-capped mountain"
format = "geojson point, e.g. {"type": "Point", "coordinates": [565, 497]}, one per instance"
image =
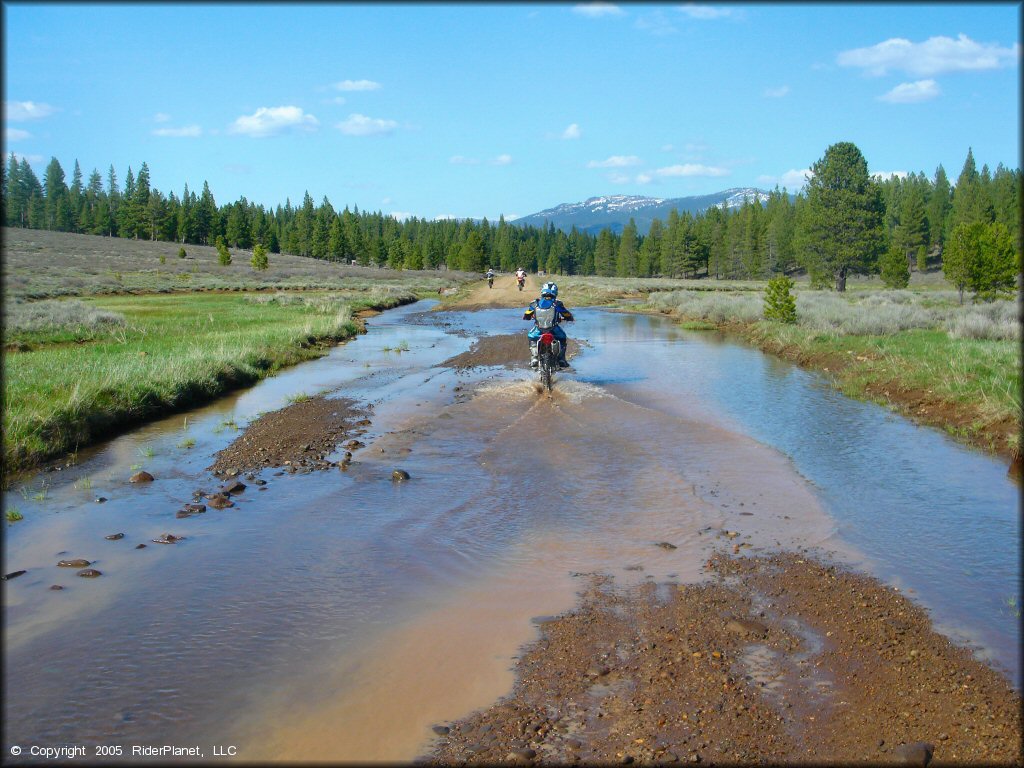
{"type": "Point", "coordinates": [615, 211]}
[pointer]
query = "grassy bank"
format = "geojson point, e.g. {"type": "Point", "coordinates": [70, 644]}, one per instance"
{"type": "Point", "coordinates": [120, 360]}
{"type": "Point", "coordinates": [917, 352]}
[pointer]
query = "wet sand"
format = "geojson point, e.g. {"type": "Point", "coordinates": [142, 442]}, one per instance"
{"type": "Point", "coordinates": [782, 659]}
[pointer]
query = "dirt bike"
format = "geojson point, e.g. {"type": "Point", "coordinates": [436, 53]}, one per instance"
{"type": "Point", "coordinates": [521, 281]}
{"type": "Point", "coordinates": [549, 349]}
{"type": "Point", "coordinates": [490, 281]}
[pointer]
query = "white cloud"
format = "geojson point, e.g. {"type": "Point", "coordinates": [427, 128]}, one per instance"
{"type": "Point", "coordinates": [31, 159]}
{"type": "Point", "coordinates": [615, 161]}
{"type": "Point", "coordinates": [270, 121]}
{"type": "Point", "coordinates": [445, 217]}
{"type": "Point", "coordinates": [183, 132]}
{"type": "Point", "coordinates": [657, 23]}
{"type": "Point", "coordinates": [460, 160]}
{"type": "Point", "coordinates": [161, 117]}
{"type": "Point", "coordinates": [27, 110]}
{"type": "Point", "coordinates": [791, 180]}
{"type": "Point", "coordinates": [402, 215]}
{"type": "Point", "coordinates": [705, 12]}
{"type": "Point", "coordinates": [644, 178]}
{"type": "Point", "coordinates": [361, 125]}
{"type": "Point", "coordinates": [572, 132]}
{"type": "Point", "coordinates": [336, 100]}
{"type": "Point", "coordinates": [357, 85]}
{"type": "Point", "coordinates": [502, 160]}
{"type": "Point", "coordinates": [911, 93]}
{"type": "Point", "coordinates": [597, 10]}
{"type": "Point", "coordinates": [884, 175]}
{"type": "Point", "coordinates": [15, 134]}
{"type": "Point", "coordinates": [619, 178]}
{"type": "Point", "coordinates": [776, 93]}
{"type": "Point", "coordinates": [932, 57]}
{"type": "Point", "coordinates": [691, 169]}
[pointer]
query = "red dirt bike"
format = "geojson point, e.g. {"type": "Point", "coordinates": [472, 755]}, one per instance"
{"type": "Point", "coordinates": [521, 281]}
{"type": "Point", "coordinates": [549, 349]}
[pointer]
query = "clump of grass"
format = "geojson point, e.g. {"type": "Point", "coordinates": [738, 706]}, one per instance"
{"type": "Point", "coordinates": [147, 452]}
{"type": "Point", "coordinates": [188, 442]}
{"type": "Point", "coordinates": [85, 483]}
{"type": "Point", "coordinates": [13, 515]}
{"type": "Point", "coordinates": [56, 321]}
{"type": "Point", "coordinates": [298, 397]}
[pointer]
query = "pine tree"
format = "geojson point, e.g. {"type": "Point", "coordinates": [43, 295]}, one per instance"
{"type": "Point", "coordinates": [259, 260]}
{"type": "Point", "coordinates": [604, 254]}
{"type": "Point", "coordinates": [894, 268]}
{"type": "Point", "coordinates": [626, 264]}
{"type": "Point", "coordinates": [912, 230]}
{"type": "Point", "coordinates": [223, 254]}
{"type": "Point", "coordinates": [843, 225]}
{"type": "Point", "coordinates": [779, 303]}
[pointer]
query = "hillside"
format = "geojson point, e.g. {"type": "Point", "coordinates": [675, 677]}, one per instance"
{"type": "Point", "coordinates": [615, 211]}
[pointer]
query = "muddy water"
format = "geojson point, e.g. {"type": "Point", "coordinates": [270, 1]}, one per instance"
{"type": "Point", "coordinates": [340, 615]}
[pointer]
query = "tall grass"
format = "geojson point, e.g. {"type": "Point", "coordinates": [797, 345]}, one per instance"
{"type": "Point", "coordinates": [867, 313]}
{"type": "Point", "coordinates": [176, 351]}
{"type": "Point", "coordinates": [57, 321]}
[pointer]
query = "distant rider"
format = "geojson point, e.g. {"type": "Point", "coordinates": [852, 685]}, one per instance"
{"type": "Point", "coordinates": [490, 277]}
{"type": "Point", "coordinates": [520, 277]}
{"type": "Point", "coordinates": [548, 300]}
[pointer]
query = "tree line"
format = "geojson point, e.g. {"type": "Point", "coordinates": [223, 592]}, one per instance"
{"type": "Point", "coordinates": [844, 222]}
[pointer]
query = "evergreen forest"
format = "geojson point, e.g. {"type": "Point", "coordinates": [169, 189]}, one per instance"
{"type": "Point", "coordinates": [844, 222]}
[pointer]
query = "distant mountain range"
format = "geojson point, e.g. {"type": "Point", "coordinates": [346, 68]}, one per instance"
{"type": "Point", "coordinates": [615, 211]}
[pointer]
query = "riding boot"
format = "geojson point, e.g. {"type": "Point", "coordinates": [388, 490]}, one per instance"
{"type": "Point", "coordinates": [562, 362]}
{"type": "Point", "coordinates": [534, 362]}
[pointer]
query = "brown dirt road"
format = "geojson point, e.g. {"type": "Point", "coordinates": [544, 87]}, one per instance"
{"type": "Point", "coordinates": [505, 293]}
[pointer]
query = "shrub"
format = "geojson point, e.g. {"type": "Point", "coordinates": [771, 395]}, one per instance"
{"type": "Point", "coordinates": [779, 303]}
{"type": "Point", "coordinates": [181, 253]}
{"type": "Point", "coordinates": [895, 270]}
{"type": "Point", "coordinates": [259, 259]}
{"type": "Point", "coordinates": [223, 254]}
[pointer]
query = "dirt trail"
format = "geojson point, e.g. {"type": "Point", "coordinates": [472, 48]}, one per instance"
{"type": "Point", "coordinates": [505, 293]}
{"type": "Point", "coordinates": [779, 660]}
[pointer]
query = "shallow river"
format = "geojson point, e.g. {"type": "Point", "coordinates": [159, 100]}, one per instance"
{"type": "Point", "coordinates": [340, 615]}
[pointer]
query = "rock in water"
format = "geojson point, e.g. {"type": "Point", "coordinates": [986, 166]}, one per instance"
{"type": "Point", "coordinates": [74, 563]}
{"type": "Point", "coordinates": [141, 477]}
{"type": "Point", "coordinates": [399, 475]}
{"type": "Point", "coordinates": [13, 575]}
{"type": "Point", "coordinates": [666, 545]}
{"type": "Point", "coordinates": [235, 486]}
{"type": "Point", "coordinates": [89, 573]}
{"type": "Point", "coordinates": [114, 536]}
{"type": "Point", "coordinates": [746, 627]}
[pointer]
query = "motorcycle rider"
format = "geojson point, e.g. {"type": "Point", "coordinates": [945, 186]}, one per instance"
{"type": "Point", "coordinates": [521, 275]}
{"type": "Point", "coordinates": [548, 301]}
{"type": "Point", "coordinates": [490, 277]}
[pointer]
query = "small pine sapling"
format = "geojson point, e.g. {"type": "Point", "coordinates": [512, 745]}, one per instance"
{"type": "Point", "coordinates": [259, 259]}
{"type": "Point", "coordinates": [779, 303]}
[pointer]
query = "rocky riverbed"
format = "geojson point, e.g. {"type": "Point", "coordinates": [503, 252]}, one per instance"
{"type": "Point", "coordinates": [777, 659]}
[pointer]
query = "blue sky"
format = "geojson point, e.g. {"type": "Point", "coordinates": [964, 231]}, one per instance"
{"type": "Point", "coordinates": [487, 109]}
